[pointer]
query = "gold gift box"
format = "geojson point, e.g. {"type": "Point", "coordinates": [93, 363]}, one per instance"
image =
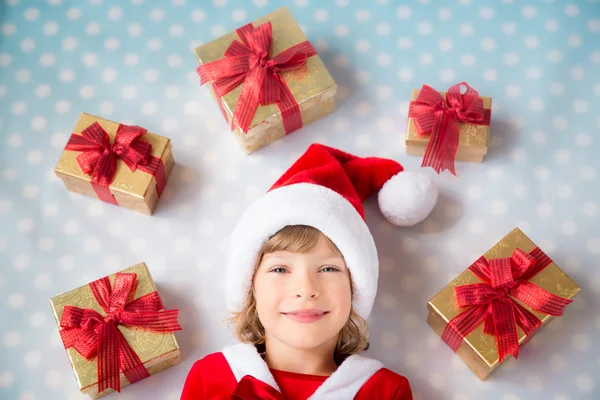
{"type": "Point", "coordinates": [479, 350]}
{"type": "Point", "coordinates": [472, 138]}
{"type": "Point", "coordinates": [158, 351]}
{"type": "Point", "coordinates": [312, 86]}
{"type": "Point", "coordinates": [133, 190]}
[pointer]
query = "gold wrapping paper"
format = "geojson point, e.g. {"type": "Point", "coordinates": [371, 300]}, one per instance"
{"type": "Point", "coordinates": [472, 140]}
{"type": "Point", "coordinates": [479, 350]}
{"type": "Point", "coordinates": [312, 86]}
{"type": "Point", "coordinates": [158, 351]}
{"type": "Point", "coordinates": [133, 190]}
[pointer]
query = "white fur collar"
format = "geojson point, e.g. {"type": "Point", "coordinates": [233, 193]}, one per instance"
{"type": "Point", "coordinates": [343, 384]}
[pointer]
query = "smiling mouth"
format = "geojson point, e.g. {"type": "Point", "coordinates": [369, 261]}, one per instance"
{"type": "Point", "coordinates": [306, 316]}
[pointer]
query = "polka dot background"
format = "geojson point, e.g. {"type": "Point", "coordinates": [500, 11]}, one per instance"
{"type": "Point", "coordinates": [132, 61]}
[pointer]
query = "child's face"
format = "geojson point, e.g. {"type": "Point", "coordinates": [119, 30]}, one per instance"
{"type": "Point", "coordinates": [303, 299]}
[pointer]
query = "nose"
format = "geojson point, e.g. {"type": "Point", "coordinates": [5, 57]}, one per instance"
{"type": "Point", "coordinates": [306, 286]}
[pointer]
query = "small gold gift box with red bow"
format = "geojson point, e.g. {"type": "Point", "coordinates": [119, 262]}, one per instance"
{"type": "Point", "coordinates": [497, 304]}
{"type": "Point", "coordinates": [116, 331]}
{"type": "Point", "coordinates": [119, 164]}
{"type": "Point", "coordinates": [267, 79]}
{"type": "Point", "coordinates": [448, 126]}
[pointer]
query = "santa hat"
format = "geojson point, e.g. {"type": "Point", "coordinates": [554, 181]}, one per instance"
{"type": "Point", "coordinates": [325, 189]}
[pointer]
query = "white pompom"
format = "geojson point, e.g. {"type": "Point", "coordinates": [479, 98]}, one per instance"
{"type": "Point", "coordinates": [407, 198]}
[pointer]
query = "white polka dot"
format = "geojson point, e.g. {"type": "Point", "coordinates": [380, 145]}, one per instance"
{"type": "Point", "coordinates": [217, 31]}
{"type": "Point", "coordinates": [446, 75]}
{"type": "Point", "coordinates": [424, 28]}
{"type": "Point", "coordinates": [47, 60]}
{"type": "Point", "coordinates": [425, 58]}
{"type": "Point", "coordinates": [129, 92]}
{"type": "Point", "coordinates": [568, 228]}
{"type": "Point", "coordinates": [151, 75]}
{"type": "Point", "coordinates": [559, 123]}
{"type": "Point", "coordinates": [528, 12]}
{"type": "Point", "coordinates": [467, 60]}
{"type": "Point", "coordinates": [445, 45]}
{"type": "Point", "coordinates": [363, 141]}
{"type": "Point", "coordinates": [555, 56]}
{"type": "Point", "coordinates": [73, 13]}
{"type": "Point", "coordinates": [14, 140]}
{"type": "Point", "coordinates": [174, 61]}
{"type": "Point", "coordinates": [37, 319]}
{"type": "Point", "coordinates": [591, 209]}
{"type": "Point", "coordinates": [476, 226]}
{"type": "Point", "coordinates": [531, 42]}
{"type": "Point", "coordinates": [12, 339]}
{"type": "Point", "coordinates": [562, 157]}
{"type": "Point", "coordinates": [581, 342]}
{"type": "Point", "coordinates": [157, 14]}
{"type": "Point", "coordinates": [499, 207]}
{"type": "Point", "coordinates": [363, 45]}
{"type": "Point", "coordinates": [534, 73]}
{"type": "Point", "coordinates": [593, 245]}
{"type": "Point", "coordinates": [30, 191]}
{"type": "Point", "coordinates": [520, 190]}
{"type": "Point", "coordinates": [574, 41]}
{"type": "Point", "coordinates": [404, 43]}
{"type": "Point", "coordinates": [32, 359]}
{"type": "Point", "coordinates": [557, 88]}
{"type": "Point", "coordinates": [544, 210]}
{"type": "Point", "coordinates": [27, 45]}
{"type": "Point", "coordinates": [21, 262]}
{"type": "Point", "coordinates": [42, 281]}
{"type": "Point", "coordinates": [115, 13]}
{"type": "Point", "coordinates": [577, 73]}
{"type": "Point", "coordinates": [403, 12]}
{"type": "Point", "coordinates": [31, 14]}
{"type": "Point", "coordinates": [437, 381]}
{"type": "Point", "coordinates": [536, 104]}
{"type": "Point", "coordinates": [9, 29]}
{"type": "Point", "coordinates": [156, 44]}
{"type": "Point", "coordinates": [25, 225]}
{"type": "Point", "coordinates": [92, 29]}
{"type": "Point", "coordinates": [341, 61]}
{"type": "Point", "coordinates": [488, 44]}
{"type": "Point", "coordinates": [54, 379]}
{"type": "Point", "coordinates": [572, 10]}
{"type": "Point", "coordinates": [405, 74]}
{"type": "Point", "coordinates": [389, 340]}
{"type": "Point", "coordinates": [486, 13]}
{"type": "Point", "coordinates": [490, 74]}
{"type": "Point", "coordinates": [71, 227]}
{"type": "Point", "coordinates": [534, 382]}
{"type": "Point", "coordinates": [587, 173]}
{"type": "Point", "coordinates": [467, 29]}
{"type": "Point", "coordinates": [341, 31]}
{"type": "Point", "coordinates": [585, 383]}
{"type": "Point", "coordinates": [565, 191]}
{"type": "Point", "coordinates": [551, 25]}
{"type": "Point", "coordinates": [46, 244]}
{"type": "Point", "coordinates": [6, 379]}
{"type": "Point", "coordinates": [362, 109]}
{"type": "Point", "coordinates": [594, 25]}
{"type": "Point", "coordinates": [91, 244]}
{"type": "Point", "coordinates": [9, 174]}
{"type": "Point", "coordinates": [16, 300]}
{"type": "Point", "coordinates": [321, 15]}
{"type": "Point", "coordinates": [383, 29]}
{"type": "Point", "coordinates": [50, 28]}
{"type": "Point", "coordinates": [513, 90]}
{"type": "Point", "coordinates": [383, 59]}
{"type": "Point", "coordinates": [511, 59]}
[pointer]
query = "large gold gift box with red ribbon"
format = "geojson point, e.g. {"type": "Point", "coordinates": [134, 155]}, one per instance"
{"type": "Point", "coordinates": [448, 126]}
{"type": "Point", "coordinates": [497, 304]}
{"type": "Point", "coordinates": [267, 79]}
{"type": "Point", "coordinates": [119, 164]}
{"type": "Point", "coordinates": [116, 331]}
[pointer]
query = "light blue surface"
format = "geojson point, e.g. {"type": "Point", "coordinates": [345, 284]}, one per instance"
{"type": "Point", "coordinates": [133, 62]}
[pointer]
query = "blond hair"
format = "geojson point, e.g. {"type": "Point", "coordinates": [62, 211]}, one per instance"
{"type": "Point", "coordinates": [352, 339]}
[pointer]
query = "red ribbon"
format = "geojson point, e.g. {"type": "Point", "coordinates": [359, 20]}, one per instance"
{"type": "Point", "coordinates": [438, 117]}
{"type": "Point", "coordinates": [99, 156]}
{"type": "Point", "coordinates": [250, 388]}
{"type": "Point", "coordinates": [91, 333]}
{"type": "Point", "coordinates": [247, 63]}
{"type": "Point", "coordinates": [492, 301]}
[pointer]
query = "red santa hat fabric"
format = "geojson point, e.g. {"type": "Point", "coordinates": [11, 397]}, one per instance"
{"type": "Point", "coordinates": [325, 189]}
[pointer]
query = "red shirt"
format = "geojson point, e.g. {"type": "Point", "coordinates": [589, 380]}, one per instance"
{"type": "Point", "coordinates": [211, 378]}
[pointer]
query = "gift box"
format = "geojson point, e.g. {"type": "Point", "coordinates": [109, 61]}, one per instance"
{"type": "Point", "coordinates": [115, 331]}
{"type": "Point", "coordinates": [267, 79]}
{"type": "Point", "coordinates": [497, 304]}
{"type": "Point", "coordinates": [119, 164]}
{"type": "Point", "coordinates": [448, 126]}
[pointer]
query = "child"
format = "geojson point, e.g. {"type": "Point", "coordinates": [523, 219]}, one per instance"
{"type": "Point", "coordinates": [302, 279]}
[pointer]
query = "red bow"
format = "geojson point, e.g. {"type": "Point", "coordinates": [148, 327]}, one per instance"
{"type": "Point", "coordinates": [90, 333]}
{"type": "Point", "coordinates": [99, 156]}
{"type": "Point", "coordinates": [492, 301]}
{"type": "Point", "coordinates": [438, 117]}
{"type": "Point", "coordinates": [247, 63]}
{"type": "Point", "coordinates": [250, 388]}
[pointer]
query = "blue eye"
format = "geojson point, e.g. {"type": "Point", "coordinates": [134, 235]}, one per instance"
{"type": "Point", "coordinates": [278, 270]}
{"type": "Point", "coordinates": [329, 269]}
